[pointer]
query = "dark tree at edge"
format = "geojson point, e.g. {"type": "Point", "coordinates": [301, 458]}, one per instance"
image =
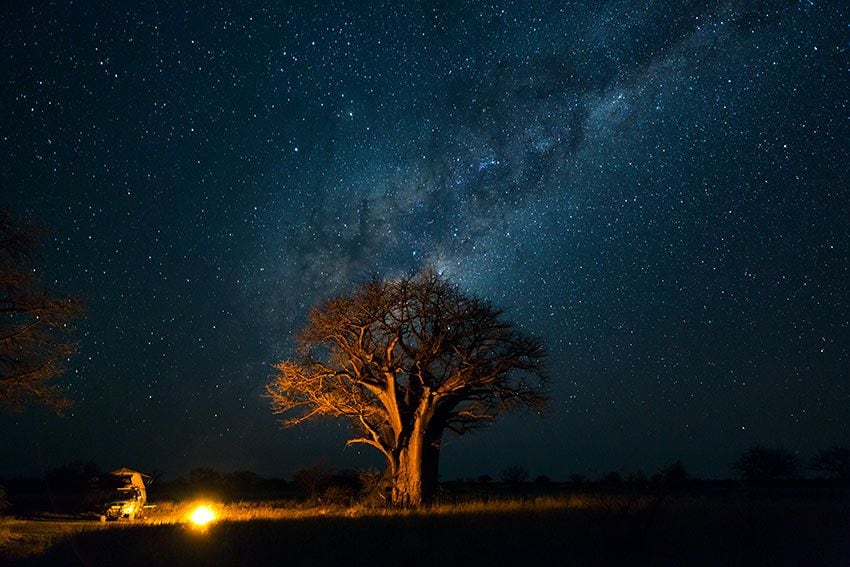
{"type": "Point", "coordinates": [35, 324]}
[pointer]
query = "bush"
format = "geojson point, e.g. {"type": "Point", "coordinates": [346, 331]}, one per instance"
{"type": "Point", "coordinates": [375, 488]}
{"type": "Point", "coordinates": [337, 495]}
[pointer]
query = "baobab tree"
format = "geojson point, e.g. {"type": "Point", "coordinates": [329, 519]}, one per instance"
{"type": "Point", "coordinates": [405, 360]}
{"type": "Point", "coordinates": [35, 325]}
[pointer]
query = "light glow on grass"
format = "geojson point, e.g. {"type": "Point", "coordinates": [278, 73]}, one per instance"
{"type": "Point", "coordinates": [201, 516]}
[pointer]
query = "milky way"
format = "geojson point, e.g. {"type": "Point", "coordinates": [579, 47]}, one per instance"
{"type": "Point", "coordinates": [659, 191]}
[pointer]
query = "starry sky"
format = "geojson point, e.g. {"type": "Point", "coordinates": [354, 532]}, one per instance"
{"type": "Point", "coordinates": [658, 189]}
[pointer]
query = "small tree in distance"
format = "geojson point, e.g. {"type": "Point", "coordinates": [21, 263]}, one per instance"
{"type": "Point", "coordinates": [833, 463]}
{"type": "Point", "coordinates": [761, 463]}
{"type": "Point", "coordinates": [513, 475]}
{"type": "Point", "coordinates": [404, 360]}
{"type": "Point", "coordinates": [674, 474]}
{"type": "Point", "coordinates": [35, 325]}
{"type": "Point", "coordinates": [313, 480]}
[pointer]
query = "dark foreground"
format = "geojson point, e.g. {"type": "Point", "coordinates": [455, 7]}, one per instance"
{"type": "Point", "coordinates": [683, 531]}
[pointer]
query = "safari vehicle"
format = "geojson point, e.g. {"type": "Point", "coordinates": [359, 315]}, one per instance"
{"type": "Point", "coordinates": [123, 495]}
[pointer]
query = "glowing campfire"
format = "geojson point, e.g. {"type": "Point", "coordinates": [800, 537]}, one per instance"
{"type": "Point", "coordinates": [201, 516]}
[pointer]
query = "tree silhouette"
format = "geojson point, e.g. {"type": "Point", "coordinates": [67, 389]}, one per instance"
{"type": "Point", "coordinates": [313, 480]}
{"type": "Point", "coordinates": [513, 475]}
{"type": "Point", "coordinates": [34, 324]}
{"type": "Point", "coordinates": [674, 474]}
{"type": "Point", "coordinates": [405, 360]}
{"type": "Point", "coordinates": [761, 463]}
{"type": "Point", "coordinates": [833, 462]}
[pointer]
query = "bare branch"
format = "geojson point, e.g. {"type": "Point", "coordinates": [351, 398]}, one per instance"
{"type": "Point", "coordinates": [34, 324]}
{"type": "Point", "coordinates": [407, 358]}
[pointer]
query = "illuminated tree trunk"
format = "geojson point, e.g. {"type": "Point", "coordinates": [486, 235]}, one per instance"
{"type": "Point", "coordinates": [407, 478]}
{"type": "Point", "coordinates": [415, 470]}
{"type": "Point", "coordinates": [403, 360]}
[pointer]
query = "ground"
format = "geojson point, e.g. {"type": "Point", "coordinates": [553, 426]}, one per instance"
{"type": "Point", "coordinates": [598, 529]}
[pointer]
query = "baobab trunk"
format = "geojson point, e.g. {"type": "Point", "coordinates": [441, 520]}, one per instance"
{"type": "Point", "coordinates": [407, 482]}
{"type": "Point", "coordinates": [415, 472]}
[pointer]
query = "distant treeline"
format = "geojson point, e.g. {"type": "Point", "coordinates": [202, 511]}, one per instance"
{"type": "Point", "coordinates": [64, 489]}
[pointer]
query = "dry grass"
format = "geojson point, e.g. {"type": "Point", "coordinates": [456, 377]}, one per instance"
{"type": "Point", "coordinates": [169, 512]}
{"type": "Point", "coordinates": [587, 528]}
{"type": "Point", "coordinates": [24, 538]}
{"type": "Point", "coordinates": [20, 538]}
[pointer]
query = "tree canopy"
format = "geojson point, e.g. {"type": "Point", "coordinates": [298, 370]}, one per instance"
{"type": "Point", "coordinates": [763, 463]}
{"type": "Point", "coordinates": [35, 325]}
{"type": "Point", "coordinates": [833, 463]}
{"type": "Point", "coordinates": [405, 359]}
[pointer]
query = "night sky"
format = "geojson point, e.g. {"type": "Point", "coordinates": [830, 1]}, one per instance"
{"type": "Point", "coordinates": [658, 189]}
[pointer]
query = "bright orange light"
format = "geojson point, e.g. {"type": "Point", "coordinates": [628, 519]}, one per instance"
{"type": "Point", "coordinates": [202, 515]}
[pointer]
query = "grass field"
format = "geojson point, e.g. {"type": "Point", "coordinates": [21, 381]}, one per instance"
{"type": "Point", "coordinates": [588, 529]}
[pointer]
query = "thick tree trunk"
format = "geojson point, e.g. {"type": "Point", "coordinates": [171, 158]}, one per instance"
{"type": "Point", "coordinates": [430, 470]}
{"type": "Point", "coordinates": [415, 472]}
{"type": "Point", "coordinates": [407, 483]}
